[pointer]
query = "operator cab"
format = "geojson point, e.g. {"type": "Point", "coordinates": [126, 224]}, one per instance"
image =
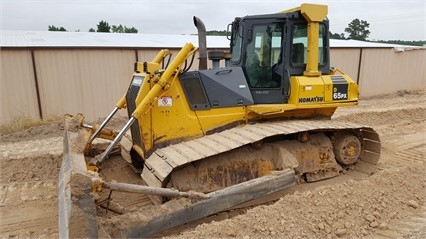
{"type": "Point", "coordinates": [266, 51]}
{"type": "Point", "coordinates": [272, 48]}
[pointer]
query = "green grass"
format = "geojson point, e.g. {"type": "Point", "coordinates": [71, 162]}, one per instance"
{"type": "Point", "coordinates": [23, 123]}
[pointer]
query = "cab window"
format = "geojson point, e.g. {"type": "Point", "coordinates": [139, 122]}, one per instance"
{"type": "Point", "coordinates": [300, 44]}
{"type": "Point", "coordinates": [263, 53]}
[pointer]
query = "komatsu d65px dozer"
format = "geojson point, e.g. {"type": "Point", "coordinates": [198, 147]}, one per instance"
{"type": "Point", "coordinates": [257, 122]}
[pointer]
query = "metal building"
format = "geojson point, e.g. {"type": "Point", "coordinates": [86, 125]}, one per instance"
{"type": "Point", "coordinates": [46, 74]}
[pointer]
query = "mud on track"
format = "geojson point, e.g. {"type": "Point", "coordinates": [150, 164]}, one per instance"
{"type": "Point", "coordinates": [388, 204]}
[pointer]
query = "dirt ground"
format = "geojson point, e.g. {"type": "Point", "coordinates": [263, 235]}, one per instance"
{"type": "Point", "coordinates": [389, 204]}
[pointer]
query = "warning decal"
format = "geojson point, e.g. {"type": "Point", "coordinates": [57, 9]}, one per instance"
{"type": "Point", "coordinates": [165, 101]}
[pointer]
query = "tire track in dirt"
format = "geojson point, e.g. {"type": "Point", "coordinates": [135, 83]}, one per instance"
{"type": "Point", "coordinates": [408, 157]}
{"type": "Point", "coordinates": [412, 227]}
{"type": "Point", "coordinates": [31, 148]}
{"type": "Point", "coordinates": [410, 152]}
{"type": "Point", "coordinates": [403, 145]}
{"type": "Point", "coordinates": [28, 209]}
{"type": "Point", "coordinates": [28, 188]}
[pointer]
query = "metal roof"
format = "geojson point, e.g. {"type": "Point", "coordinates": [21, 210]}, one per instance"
{"type": "Point", "coordinates": [102, 40]}
{"type": "Point", "coordinates": [46, 39]}
{"type": "Point", "coordinates": [364, 44]}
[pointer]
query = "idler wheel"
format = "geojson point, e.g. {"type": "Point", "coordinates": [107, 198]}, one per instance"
{"type": "Point", "coordinates": [347, 149]}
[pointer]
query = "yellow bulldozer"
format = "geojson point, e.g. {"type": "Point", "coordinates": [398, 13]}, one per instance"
{"type": "Point", "coordinates": [257, 122]}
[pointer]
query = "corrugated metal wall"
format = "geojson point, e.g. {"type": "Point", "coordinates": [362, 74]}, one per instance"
{"type": "Point", "coordinates": [347, 60]}
{"type": "Point", "coordinates": [82, 81]}
{"type": "Point", "coordinates": [17, 86]}
{"type": "Point", "coordinates": [381, 71]}
{"type": "Point", "coordinates": [385, 71]}
{"type": "Point", "coordinates": [90, 81]}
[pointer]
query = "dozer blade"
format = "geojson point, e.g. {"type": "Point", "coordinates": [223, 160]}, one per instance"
{"type": "Point", "coordinates": [77, 214]}
{"type": "Point", "coordinates": [217, 201]}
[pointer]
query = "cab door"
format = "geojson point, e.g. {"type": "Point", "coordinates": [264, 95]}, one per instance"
{"type": "Point", "coordinates": [262, 62]}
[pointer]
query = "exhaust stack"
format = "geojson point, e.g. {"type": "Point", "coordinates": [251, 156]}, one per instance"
{"type": "Point", "coordinates": [202, 43]}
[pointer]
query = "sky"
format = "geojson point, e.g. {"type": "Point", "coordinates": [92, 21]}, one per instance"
{"type": "Point", "coordinates": [388, 19]}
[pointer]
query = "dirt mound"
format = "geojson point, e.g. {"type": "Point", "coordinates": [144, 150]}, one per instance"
{"type": "Point", "coordinates": [387, 117]}
{"type": "Point", "coordinates": [30, 169]}
{"type": "Point", "coordinates": [55, 129]}
{"type": "Point", "coordinates": [354, 209]}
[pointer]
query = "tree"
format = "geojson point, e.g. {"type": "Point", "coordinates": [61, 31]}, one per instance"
{"type": "Point", "coordinates": [56, 29]}
{"type": "Point", "coordinates": [123, 29]}
{"type": "Point", "coordinates": [336, 35]}
{"type": "Point", "coordinates": [92, 30]}
{"type": "Point", "coordinates": [103, 26]}
{"type": "Point", "coordinates": [216, 33]}
{"type": "Point", "coordinates": [358, 29]}
{"type": "Point", "coordinates": [130, 30]}
{"type": "Point", "coordinates": [402, 42]}
{"type": "Point", "coordinates": [117, 29]}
